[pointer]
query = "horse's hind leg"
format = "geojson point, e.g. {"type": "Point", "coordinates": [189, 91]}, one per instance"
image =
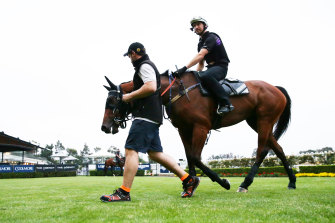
{"type": "Point", "coordinates": [280, 153]}
{"type": "Point", "coordinates": [264, 130]}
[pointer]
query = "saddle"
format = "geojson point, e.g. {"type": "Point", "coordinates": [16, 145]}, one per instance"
{"type": "Point", "coordinates": [230, 85]}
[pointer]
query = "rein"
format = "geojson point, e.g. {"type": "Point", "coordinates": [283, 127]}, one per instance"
{"type": "Point", "coordinates": [181, 93]}
{"type": "Point", "coordinates": [184, 92]}
{"type": "Point", "coordinates": [169, 86]}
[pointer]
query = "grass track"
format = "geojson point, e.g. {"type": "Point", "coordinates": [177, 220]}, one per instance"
{"type": "Point", "coordinates": [157, 199]}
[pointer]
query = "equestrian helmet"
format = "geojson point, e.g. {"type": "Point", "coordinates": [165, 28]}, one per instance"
{"type": "Point", "coordinates": [198, 19]}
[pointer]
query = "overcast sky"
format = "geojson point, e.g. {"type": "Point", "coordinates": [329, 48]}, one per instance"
{"type": "Point", "coordinates": [54, 56]}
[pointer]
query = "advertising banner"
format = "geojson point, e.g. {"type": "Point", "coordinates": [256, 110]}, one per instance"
{"type": "Point", "coordinates": [6, 168]}
{"type": "Point", "coordinates": [70, 167]}
{"type": "Point", "coordinates": [23, 168]}
{"type": "Point", "coordinates": [145, 166]}
{"type": "Point", "coordinates": [164, 170]}
{"type": "Point", "coordinates": [102, 166]}
{"type": "Point", "coordinates": [49, 168]}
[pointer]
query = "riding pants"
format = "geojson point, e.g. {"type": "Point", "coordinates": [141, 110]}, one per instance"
{"type": "Point", "coordinates": [210, 78]}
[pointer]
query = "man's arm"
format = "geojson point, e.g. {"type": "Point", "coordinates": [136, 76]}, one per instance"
{"type": "Point", "coordinates": [147, 89]}
{"type": "Point", "coordinates": [198, 58]}
{"type": "Point", "coordinates": [201, 65]}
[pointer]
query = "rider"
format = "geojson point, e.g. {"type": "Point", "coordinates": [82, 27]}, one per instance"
{"type": "Point", "coordinates": [144, 132]}
{"type": "Point", "coordinates": [117, 156]}
{"type": "Point", "coordinates": [211, 50]}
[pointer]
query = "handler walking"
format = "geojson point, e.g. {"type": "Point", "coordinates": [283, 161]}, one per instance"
{"type": "Point", "coordinates": [144, 132]}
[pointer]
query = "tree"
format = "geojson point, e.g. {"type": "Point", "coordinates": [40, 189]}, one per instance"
{"type": "Point", "coordinates": [112, 149]}
{"type": "Point", "coordinates": [72, 152]}
{"type": "Point", "coordinates": [59, 147]}
{"type": "Point", "coordinates": [84, 153]}
{"type": "Point", "coordinates": [326, 150]}
{"type": "Point", "coordinates": [97, 149]}
{"type": "Point", "coordinates": [47, 152]}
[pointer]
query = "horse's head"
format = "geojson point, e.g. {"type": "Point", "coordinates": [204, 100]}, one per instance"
{"type": "Point", "coordinates": [116, 111]}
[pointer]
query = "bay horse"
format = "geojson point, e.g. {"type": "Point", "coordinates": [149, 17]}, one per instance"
{"type": "Point", "coordinates": [194, 116]}
{"type": "Point", "coordinates": [110, 163]}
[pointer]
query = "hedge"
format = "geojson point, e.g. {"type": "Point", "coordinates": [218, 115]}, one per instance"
{"type": "Point", "coordinates": [243, 171]}
{"type": "Point", "coordinates": [317, 169]}
{"type": "Point", "coordinates": [37, 174]}
{"type": "Point", "coordinates": [109, 173]}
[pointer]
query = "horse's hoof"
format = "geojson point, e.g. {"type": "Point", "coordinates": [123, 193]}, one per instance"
{"type": "Point", "coordinates": [242, 190]}
{"type": "Point", "coordinates": [225, 183]}
{"type": "Point", "coordinates": [291, 186]}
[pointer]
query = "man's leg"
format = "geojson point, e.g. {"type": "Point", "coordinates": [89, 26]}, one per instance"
{"type": "Point", "coordinates": [210, 80]}
{"type": "Point", "coordinates": [168, 162]}
{"type": "Point", "coordinates": [190, 183]}
{"type": "Point", "coordinates": [130, 169]}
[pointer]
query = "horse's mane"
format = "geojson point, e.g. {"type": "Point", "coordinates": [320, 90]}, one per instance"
{"type": "Point", "coordinates": [126, 82]}
{"type": "Point", "coordinates": [165, 74]}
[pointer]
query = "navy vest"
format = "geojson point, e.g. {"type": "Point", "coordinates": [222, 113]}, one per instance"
{"type": "Point", "coordinates": [149, 107]}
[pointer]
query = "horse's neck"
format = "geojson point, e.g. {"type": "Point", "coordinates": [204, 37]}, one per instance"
{"type": "Point", "coordinates": [127, 87]}
{"type": "Point", "coordinates": [187, 79]}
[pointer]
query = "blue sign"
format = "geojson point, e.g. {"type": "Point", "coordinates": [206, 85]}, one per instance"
{"type": "Point", "coordinates": [102, 167]}
{"type": "Point", "coordinates": [164, 170]}
{"type": "Point", "coordinates": [6, 169]}
{"type": "Point", "coordinates": [70, 167]}
{"type": "Point", "coordinates": [145, 166]}
{"type": "Point", "coordinates": [24, 168]}
{"type": "Point", "coordinates": [49, 168]}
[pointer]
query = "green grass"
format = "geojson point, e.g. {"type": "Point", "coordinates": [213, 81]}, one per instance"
{"type": "Point", "coordinates": [157, 199]}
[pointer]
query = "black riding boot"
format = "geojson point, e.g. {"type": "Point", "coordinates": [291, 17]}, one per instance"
{"type": "Point", "coordinates": [219, 94]}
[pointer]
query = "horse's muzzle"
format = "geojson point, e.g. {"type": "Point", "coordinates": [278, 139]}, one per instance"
{"type": "Point", "coordinates": [105, 129]}
{"type": "Point", "coordinates": [108, 130]}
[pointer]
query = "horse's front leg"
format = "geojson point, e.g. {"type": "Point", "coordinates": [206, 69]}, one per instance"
{"type": "Point", "coordinates": [186, 138]}
{"type": "Point", "coordinates": [198, 140]}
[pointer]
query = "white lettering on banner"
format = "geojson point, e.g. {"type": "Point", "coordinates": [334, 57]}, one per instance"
{"type": "Point", "coordinates": [24, 168]}
{"type": "Point", "coordinates": [5, 168]}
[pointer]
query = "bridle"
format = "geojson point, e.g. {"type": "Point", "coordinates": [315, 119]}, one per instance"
{"type": "Point", "coordinates": [121, 108]}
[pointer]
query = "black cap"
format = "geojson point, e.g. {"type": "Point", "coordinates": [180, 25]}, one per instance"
{"type": "Point", "coordinates": [137, 48]}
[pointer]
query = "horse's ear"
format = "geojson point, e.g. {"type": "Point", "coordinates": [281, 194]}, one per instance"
{"type": "Point", "coordinates": [113, 87]}
{"type": "Point", "coordinates": [108, 88]}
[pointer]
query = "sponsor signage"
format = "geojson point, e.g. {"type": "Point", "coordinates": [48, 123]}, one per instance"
{"type": "Point", "coordinates": [6, 169]}
{"type": "Point", "coordinates": [70, 167]}
{"type": "Point", "coordinates": [23, 168]}
{"type": "Point", "coordinates": [59, 168]}
{"type": "Point", "coordinates": [144, 166]}
{"type": "Point", "coordinates": [102, 167]}
{"type": "Point", "coordinates": [49, 168]}
{"type": "Point", "coordinates": [37, 168]}
{"type": "Point", "coordinates": [140, 167]}
{"type": "Point", "coordinates": [164, 170]}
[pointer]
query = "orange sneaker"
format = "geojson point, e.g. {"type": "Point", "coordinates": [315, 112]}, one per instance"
{"type": "Point", "coordinates": [190, 187]}
{"type": "Point", "coordinates": [116, 196]}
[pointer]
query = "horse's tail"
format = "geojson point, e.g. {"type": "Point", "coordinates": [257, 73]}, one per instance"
{"type": "Point", "coordinates": [285, 117]}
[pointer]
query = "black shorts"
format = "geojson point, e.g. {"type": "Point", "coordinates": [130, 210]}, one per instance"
{"type": "Point", "coordinates": [143, 137]}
